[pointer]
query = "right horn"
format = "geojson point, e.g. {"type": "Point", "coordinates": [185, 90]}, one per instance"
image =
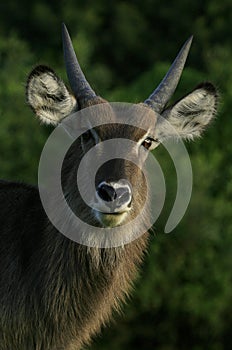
{"type": "Point", "coordinates": [162, 94]}
{"type": "Point", "coordinates": [80, 86]}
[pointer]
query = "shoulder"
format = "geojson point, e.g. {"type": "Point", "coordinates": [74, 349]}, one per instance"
{"type": "Point", "coordinates": [6, 185]}
{"type": "Point", "coordinates": [17, 193]}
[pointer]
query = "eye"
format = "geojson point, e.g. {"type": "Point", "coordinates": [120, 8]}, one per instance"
{"type": "Point", "coordinates": [149, 143]}
{"type": "Point", "coordinates": [86, 136]}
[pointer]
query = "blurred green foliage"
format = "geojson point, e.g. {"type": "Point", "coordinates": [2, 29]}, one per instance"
{"type": "Point", "coordinates": [183, 297]}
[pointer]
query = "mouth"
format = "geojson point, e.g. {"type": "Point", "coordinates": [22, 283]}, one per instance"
{"type": "Point", "coordinates": [116, 214]}
{"type": "Point", "coordinates": [110, 219]}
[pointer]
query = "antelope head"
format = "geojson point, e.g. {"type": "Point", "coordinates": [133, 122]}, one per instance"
{"type": "Point", "coordinates": [120, 186]}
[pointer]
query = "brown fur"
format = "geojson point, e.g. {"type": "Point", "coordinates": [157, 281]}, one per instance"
{"type": "Point", "coordinates": [55, 293]}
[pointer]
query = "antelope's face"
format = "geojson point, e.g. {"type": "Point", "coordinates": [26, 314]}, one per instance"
{"type": "Point", "coordinates": [120, 186]}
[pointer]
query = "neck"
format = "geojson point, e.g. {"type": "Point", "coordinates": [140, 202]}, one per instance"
{"type": "Point", "coordinates": [89, 283]}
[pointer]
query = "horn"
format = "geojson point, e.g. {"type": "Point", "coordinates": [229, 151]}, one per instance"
{"type": "Point", "coordinates": [161, 95]}
{"type": "Point", "coordinates": [79, 84]}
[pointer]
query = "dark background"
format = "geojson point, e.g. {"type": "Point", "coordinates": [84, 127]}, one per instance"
{"type": "Point", "coordinates": [183, 296]}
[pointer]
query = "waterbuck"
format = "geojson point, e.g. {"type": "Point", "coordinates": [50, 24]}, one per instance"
{"type": "Point", "coordinates": [56, 293]}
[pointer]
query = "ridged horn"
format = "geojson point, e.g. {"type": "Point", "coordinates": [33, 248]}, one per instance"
{"type": "Point", "coordinates": [161, 95]}
{"type": "Point", "coordinates": [79, 85]}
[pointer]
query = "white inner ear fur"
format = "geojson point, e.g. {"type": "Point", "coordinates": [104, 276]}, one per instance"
{"type": "Point", "coordinates": [189, 116]}
{"type": "Point", "coordinates": [49, 97]}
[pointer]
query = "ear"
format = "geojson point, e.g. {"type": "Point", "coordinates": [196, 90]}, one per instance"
{"type": "Point", "coordinates": [48, 96]}
{"type": "Point", "coordinates": [189, 117]}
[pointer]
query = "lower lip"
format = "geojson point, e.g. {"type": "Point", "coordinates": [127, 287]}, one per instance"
{"type": "Point", "coordinates": [119, 213]}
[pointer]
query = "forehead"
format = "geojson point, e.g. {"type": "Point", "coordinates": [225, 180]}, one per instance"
{"type": "Point", "coordinates": [109, 131]}
{"type": "Point", "coordinates": [118, 120]}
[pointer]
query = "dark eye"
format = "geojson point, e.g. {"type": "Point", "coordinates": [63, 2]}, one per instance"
{"type": "Point", "coordinates": [149, 142]}
{"type": "Point", "coordinates": [86, 136]}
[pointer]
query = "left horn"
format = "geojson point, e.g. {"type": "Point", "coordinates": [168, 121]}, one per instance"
{"type": "Point", "coordinates": [80, 86]}
{"type": "Point", "coordinates": [161, 95]}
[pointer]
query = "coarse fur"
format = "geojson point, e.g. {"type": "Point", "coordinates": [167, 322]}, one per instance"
{"type": "Point", "coordinates": [55, 294]}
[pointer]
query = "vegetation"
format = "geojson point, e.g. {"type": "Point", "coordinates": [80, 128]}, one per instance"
{"type": "Point", "coordinates": [183, 296]}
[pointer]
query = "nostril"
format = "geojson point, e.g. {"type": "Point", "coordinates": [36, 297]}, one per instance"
{"type": "Point", "coordinates": [106, 192]}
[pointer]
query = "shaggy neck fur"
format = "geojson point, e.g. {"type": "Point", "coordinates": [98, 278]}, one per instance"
{"type": "Point", "coordinates": [59, 292]}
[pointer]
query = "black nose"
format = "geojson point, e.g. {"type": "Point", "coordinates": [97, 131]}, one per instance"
{"type": "Point", "coordinates": [117, 192]}
{"type": "Point", "coordinates": [106, 192]}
